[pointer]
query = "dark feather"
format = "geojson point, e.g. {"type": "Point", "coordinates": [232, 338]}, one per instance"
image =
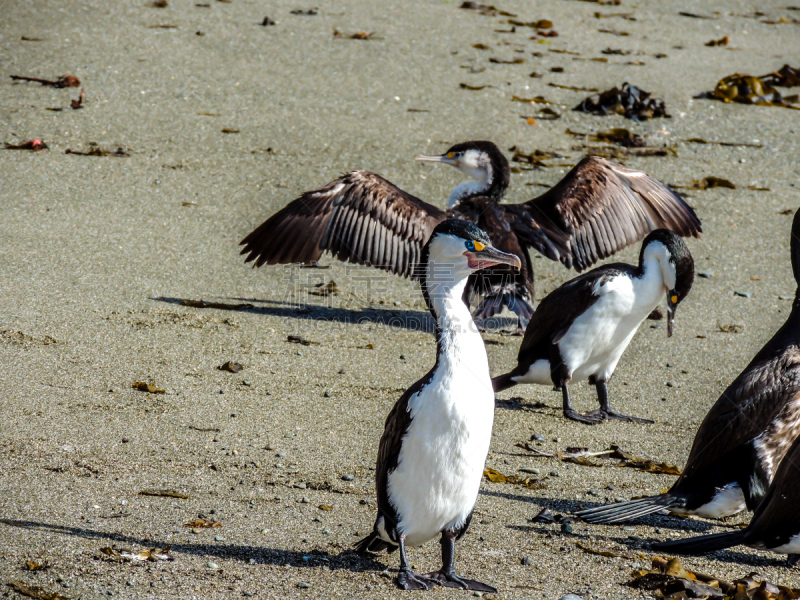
{"type": "Point", "coordinates": [359, 218]}
{"type": "Point", "coordinates": [599, 208]}
{"type": "Point", "coordinates": [703, 543]}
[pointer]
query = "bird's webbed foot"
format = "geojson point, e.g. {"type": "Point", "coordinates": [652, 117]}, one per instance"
{"type": "Point", "coordinates": [451, 580]}
{"type": "Point", "coordinates": [594, 417]}
{"type": "Point", "coordinates": [408, 580]}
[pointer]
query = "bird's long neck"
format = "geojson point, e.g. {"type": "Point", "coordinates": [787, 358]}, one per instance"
{"type": "Point", "coordinates": [467, 189]}
{"type": "Point", "coordinates": [460, 348]}
{"type": "Point", "coordinates": [649, 287]}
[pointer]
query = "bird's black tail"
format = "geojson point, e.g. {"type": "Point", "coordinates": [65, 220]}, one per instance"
{"type": "Point", "coordinates": [372, 543]}
{"type": "Point", "coordinates": [494, 303]}
{"type": "Point", "coordinates": [703, 544]}
{"type": "Point", "coordinates": [503, 382]}
{"type": "Point", "coordinates": [626, 511]}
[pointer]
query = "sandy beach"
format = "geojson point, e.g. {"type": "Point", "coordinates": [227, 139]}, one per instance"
{"type": "Point", "coordinates": [223, 120]}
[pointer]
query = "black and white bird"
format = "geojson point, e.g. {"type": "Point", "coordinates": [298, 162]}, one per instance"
{"type": "Point", "coordinates": [582, 328]}
{"type": "Point", "coordinates": [775, 525]}
{"type": "Point", "coordinates": [744, 436]}
{"type": "Point", "coordinates": [598, 208]}
{"type": "Point", "coordinates": [436, 438]}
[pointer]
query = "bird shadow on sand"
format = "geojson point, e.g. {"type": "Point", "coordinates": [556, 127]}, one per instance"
{"type": "Point", "coordinates": [410, 320]}
{"type": "Point", "coordinates": [347, 559]}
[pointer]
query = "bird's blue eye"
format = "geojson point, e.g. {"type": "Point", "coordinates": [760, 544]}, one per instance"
{"type": "Point", "coordinates": [470, 246]}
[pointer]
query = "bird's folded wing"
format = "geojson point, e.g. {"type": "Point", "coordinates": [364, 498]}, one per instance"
{"type": "Point", "coordinates": [360, 218]}
{"type": "Point", "coordinates": [746, 408]}
{"type": "Point", "coordinates": [599, 208]}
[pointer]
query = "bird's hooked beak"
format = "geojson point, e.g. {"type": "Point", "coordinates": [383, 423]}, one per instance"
{"type": "Point", "coordinates": [449, 159]}
{"type": "Point", "coordinates": [672, 303]}
{"type": "Point", "coordinates": [488, 256]}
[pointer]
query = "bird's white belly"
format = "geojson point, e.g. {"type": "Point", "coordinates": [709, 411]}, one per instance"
{"type": "Point", "coordinates": [440, 467]}
{"type": "Point", "coordinates": [596, 340]}
{"type": "Point", "coordinates": [728, 501]}
{"type": "Point", "coordinates": [791, 547]}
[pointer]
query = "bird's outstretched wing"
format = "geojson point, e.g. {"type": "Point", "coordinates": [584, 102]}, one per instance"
{"type": "Point", "coordinates": [360, 217]}
{"type": "Point", "coordinates": [599, 208]}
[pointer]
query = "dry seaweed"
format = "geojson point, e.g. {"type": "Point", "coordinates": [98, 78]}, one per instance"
{"type": "Point", "coordinates": [296, 339]}
{"type": "Point", "coordinates": [164, 493]}
{"type": "Point", "coordinates": [229, 130]}
{"type": "Point", "coordinates": [540, 24]}
{"type": "Point", "coordinates": [723, 41]}
{"type": "Point", "coordinates": [614, 32]}
{"type": "Point", "coordinates": [535, 158]}
{"type": "Point", "coordinates": [626, 16]}
{"type": "Point", "coordinates": [747, 89]}
{"type": "Point", "coordinates": [148, 387]}
{"type": "Point", "coordinates": [670, 580]}
{"type": "Point", "coordinates": [501, 61]}
{"type": "Point", "coordinates": [572, 87]}
{"type": "Point", "coordinates": [629, 101]}
{"type": "Point", "coordinates": [150, 554]}
{"type": "Point", "coordinates": [97, 151]}
{"type": "Point", "coordinates": [231, 367]}
{"type": "Point", "coordinates": [695, 15]}
{"type": "Point", "coordinates": [466, 86]}
{"type": "Point", "coordinates": [732, 144]}
{"type": "Point", "coordinates": [358, 35]}
{"type": "Point", "coordinates": [76, 104]}
{"type": "Point", "coordinates": [486, 9]}
{"type": "Point", "coordinates": [546, 114]}
{"type": "Point", "coordinates": [35, 591]}
{"type": "Point", "coordinates": [582, 456]}
{"type": "Point", "coordinates": [222, 305]}
{"type": "Point", "coordinates": [711, 182]}
{"type": "Point", "coordinates": [534, 100]}
{"type": "Point", "coordinates": [32, 565]}
{"type": "Point", "coordinates": [64, 81]}
{"type": "Point", "coordinates": [202, 522]}
{"type": "Point", "coordinates": [620, 136]}
{"type": "Point", "coordinates": [34, 145]}
{"type": "Point", "coordinates": [325, 290]}
{"type": "Point", "coordinates": [497, 477]}
{"type": "Point", "coordinates": [304, 13]}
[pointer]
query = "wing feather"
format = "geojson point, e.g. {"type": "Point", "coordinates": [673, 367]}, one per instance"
{"type": "Point", "coordinates": [601, 207]}
{"type": "Point", "coordinates": [360, 218]}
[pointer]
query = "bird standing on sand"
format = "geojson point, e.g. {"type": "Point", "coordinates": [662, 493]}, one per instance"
{"type": "Point", "coordinates": [744, 436]}
{"type": "Point", "coordinates": [436, 438]}
{"type": "Point", "coordinates": [582, 327]}
{"type": "Point", "coordinates": [598, 208]}
{"type": "Point", "coordinates": [775, 525]}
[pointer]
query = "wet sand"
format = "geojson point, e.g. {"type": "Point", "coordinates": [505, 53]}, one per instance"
{"type": "Point", "coordinates": [98, 254]}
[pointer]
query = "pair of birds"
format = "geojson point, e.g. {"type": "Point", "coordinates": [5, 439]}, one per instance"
{"type": "Point", "coordinates": [598, 208]}
{"type": "Point", "coordinates": [746, 453]}
{"type": "Point", "coordinates": [436, 438]}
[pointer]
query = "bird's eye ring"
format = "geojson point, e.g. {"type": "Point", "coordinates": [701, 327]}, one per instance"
{"type": "Point", "coordinates": [451, 154]}
{"type": "Point", "coordinates": [470, 246]}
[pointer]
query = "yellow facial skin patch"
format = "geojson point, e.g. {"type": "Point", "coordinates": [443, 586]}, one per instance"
{"type": "Point", "coordinates": [479, 246]}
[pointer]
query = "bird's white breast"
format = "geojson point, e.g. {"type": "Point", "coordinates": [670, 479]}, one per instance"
{"type": "Point", "coordinates": [727, 501]}
{"type": "Point", "coordinates": [597, 338]}
{"type": "Point", "coordinates": [440, 466]}
{"type": "Point", "coordinates": [791, 547]}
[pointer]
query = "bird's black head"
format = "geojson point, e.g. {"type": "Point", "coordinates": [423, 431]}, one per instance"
{"type": "Point", "coordinates": [794, 244]}
{"type": "Point", "coordinates": [677, 267]}
{"type": "Point", "coordinates": [481, 160]}
{"type": "Point", "coordinates": [455, 249]}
